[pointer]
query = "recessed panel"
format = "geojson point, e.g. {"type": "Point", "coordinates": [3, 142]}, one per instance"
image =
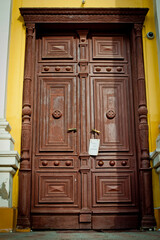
{"type": "Point", "coordinates": [108, 48]}
{"type": "Point", "coordinates": [57, 188]}
{"type": "Point", "coordinates": [56, 114]}
{"type": "Point", "coordinates": [112, 112]}
{"type": "Point", "coordinates": [111, 188]}
{"type": "Point", "coordinates": [57, 47]}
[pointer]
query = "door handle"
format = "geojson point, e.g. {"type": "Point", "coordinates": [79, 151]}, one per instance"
{"type": "Point", "coordinates": [72, 130]}
{"type": "Point", "coordinates": [95, 131]}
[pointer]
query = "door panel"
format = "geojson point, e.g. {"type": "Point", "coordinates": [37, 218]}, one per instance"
{"type": "Point", "coordinates": [59, 189]}
{"type": "Point", "coordinates": [108, 48]}
{"type": "Point", "coordinates": [83, 83]}
{"type": "Point", "coordinates": [111, 112]}
{"type": "Point", "coordinates": [57, 47]}
{"type": "Point", "coordinates": [127, 221]}
{"type": "Point", "coordinates": [112, 189]}
{"type": "Point", "coordinates": [57, 108]}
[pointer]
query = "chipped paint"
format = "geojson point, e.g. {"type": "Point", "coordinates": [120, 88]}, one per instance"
{"type": "Point", "coordinates": [3, 192]}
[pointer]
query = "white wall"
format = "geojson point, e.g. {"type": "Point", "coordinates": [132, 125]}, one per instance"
{"type": "Point", "coordinates": [5, 16]}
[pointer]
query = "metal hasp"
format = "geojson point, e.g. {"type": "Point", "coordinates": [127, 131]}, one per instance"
{"type": "Point", "coordinates": [72, 130]}
{"type": "Point", "coordinates": [95, 131]}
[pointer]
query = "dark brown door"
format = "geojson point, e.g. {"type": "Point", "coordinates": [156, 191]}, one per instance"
{"type": "Point", "coordinates": [83, 85]}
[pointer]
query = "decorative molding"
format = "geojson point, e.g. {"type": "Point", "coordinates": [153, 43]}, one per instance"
{"type": "Point", "coordinates": [25, 167]}
{"type": "Point", "coordinates": [142, 108]}
{"type": "Point", "coordinates": [147, 214]}
{"type": "Point", "coordinates": [138, 30]}
{"type": "Point", "coordinates": [9, 163]}
{"type": "Point", "coordinates": [9, 159]}
{"type": "Point", "coordinates": [88, 15]}
{"type": "Point", "coordinates": [26, 109]}
{"type": "Point", "coordinates": [6, 140]}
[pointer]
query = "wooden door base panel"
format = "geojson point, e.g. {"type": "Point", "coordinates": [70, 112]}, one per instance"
{"type": "Point", "coordinates": [72, 222]}
{"type": "Point", "coordinates": [55, 222]}
{"type": "Point", "coordinates": [115, 222]}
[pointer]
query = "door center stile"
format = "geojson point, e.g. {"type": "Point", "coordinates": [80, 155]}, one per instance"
{"type": "Point", "coordinates": [85, 161]}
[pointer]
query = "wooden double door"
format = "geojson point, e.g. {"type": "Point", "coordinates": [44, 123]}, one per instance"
{"type": "Point", "coordinates": [83, 90]}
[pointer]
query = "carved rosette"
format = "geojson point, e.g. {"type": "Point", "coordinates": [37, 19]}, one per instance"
{"type": "Point", "coordinates": [26, 109]}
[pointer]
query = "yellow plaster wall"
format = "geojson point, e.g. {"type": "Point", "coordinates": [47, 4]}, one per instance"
{"type": "Point", "coordinates": [7, 219]}
{"type": "Point", "coordinates": [16, 67]}
{"type": "Point", "coordinates": [15, 83]}
{"type": "Point", "coordinates": [153, 93]}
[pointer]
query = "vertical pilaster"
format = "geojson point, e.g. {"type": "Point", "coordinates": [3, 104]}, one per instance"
{"type": "Point", "coordinates": [85, 215]}
{"type": "Point", "coordinates": [144, 165]}
{"type": "Point", "coordinates": [26, 108]}
{"type": "Point", "coordinates": [25, 167]}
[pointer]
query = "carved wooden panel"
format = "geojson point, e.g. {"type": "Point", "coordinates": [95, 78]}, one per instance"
{"type": "Point", "coordinates": [57, 163]}
{"type": "Point", "coordinates": [117, 16]}
{"type": "Point", "coordinates": [58, 68]}
{"type": "Point", "coordinates": [112, 188]}
{"type": "Point", "coordinates": [56, 114]}
{"type": "Point", "coordinates": [55, 221]}
{"type": "Point", "coordinates": [109, 69]}
{"type": "Point", "coordinates": [57, 189]}
{"type": "Point", "coordinates": [108, 48]}
{"type": "Point", "coordinates": [112, 112]}
{"type": "Point", "coordinates": [110, 221]}
{"type": "Point", "coordinates": [112, 162]}
{"type": "Point", "coordinates": [57, 47]}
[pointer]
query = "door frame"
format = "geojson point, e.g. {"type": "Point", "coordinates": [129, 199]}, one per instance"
{"type": "Point", "coordinates": [132, 18]}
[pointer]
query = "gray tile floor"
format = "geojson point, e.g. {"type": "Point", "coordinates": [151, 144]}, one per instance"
{"type": "Point", "coordinates": [84, 235]}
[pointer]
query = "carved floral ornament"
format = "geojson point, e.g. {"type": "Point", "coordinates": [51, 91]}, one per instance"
{"type": "Point", "coordinates": [57, 114]}
{"type": "Point", "coordinates": [110, 114]}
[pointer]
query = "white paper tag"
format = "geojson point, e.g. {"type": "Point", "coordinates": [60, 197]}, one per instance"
{"type": "Point", "coordinates": [94, 147]}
